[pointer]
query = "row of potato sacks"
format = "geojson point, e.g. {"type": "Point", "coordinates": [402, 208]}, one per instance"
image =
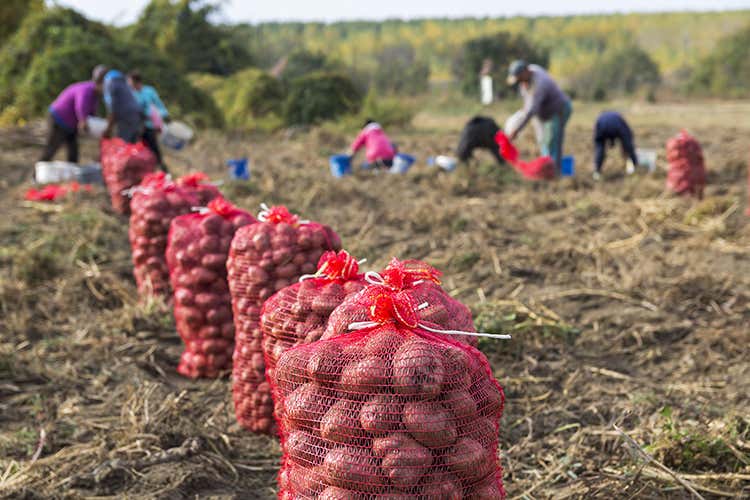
{"type": "Point", "coordinates": [237, 293]}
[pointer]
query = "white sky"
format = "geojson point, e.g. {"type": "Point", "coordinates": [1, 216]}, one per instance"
{"type": "Point", "coordinates": [236, 11]}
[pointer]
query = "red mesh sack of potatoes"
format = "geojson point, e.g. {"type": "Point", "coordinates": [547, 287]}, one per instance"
{"type": "Point", "coordinates": [265, 258]}
{"type": "Point", "coordinates": [198, 184]}
{"type": "Point", "coordinates": [392, 410]}
{"type": "Point", "coordinates": [155, 202]}
{"type": "Point", "coordinates": [124, 165]}
{"type": "Point", "coordinates": [298, 314]}
{"type": "Point", "coordinates": [687, 169]}
{"type": "Point", "coordinates": [422, 282]}
{"type": "Point", "coordinates": [197, 249]}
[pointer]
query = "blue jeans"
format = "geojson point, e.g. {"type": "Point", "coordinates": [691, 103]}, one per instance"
{"type": "Point", "coordinates": [554, 134]}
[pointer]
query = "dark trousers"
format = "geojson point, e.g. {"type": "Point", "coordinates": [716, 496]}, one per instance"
{"type": "Point", "coordinates": [151, 140]}
{"type": "Point", "coordinates": [600, 147]}
{"type": "Point", "coordinates": [56, 137]}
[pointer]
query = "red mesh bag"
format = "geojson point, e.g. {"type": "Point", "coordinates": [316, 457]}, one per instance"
{"type": "Point", "coordinates": [542, 168]}
{"type": "Point", "coordinates": [198, 184]}
{"type": "Point", "coordinates": [197, 249]}
{"type": "Point", "coordinates": [265, 258]}
{"type": "Point", "coordinates": [422, 282]}
{"type": "Point", "coordinates": [389, 411]}
{"type": "Point", "coordinates": [298, 314]}
{"type": "Point", "coordinates": [124, 165]}
{"type": "Point", "coordinates": [687, 169]}
{"type": "Point", "coordinates": [154, 204]}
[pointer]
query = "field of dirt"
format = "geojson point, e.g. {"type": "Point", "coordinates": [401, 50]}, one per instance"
{"type": "Point", "coordinates": [628, 375]}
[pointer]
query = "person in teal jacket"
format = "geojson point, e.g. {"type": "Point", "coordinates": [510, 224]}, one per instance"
{"type": "Point", "coordinates": [149, 101]}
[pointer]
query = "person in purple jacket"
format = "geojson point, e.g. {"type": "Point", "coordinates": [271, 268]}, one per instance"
{"type": "Point", "coordinates": [68, 113]}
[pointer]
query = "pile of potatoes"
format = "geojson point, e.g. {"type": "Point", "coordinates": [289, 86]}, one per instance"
{"type": "Point", "coordinates": [265, 258]}
{"type": "Point", "coordinates": [124, 165]}
{"type": "Point", "coordinates": [197, 250]}
{"type": "Point", "coordinates": [299, 313]}
{"type": "Point", "coordinates": [152, 208]}
{"type": "Point", "coordinates": [388, 412]}
{"type": "Point", "coordinates": [687, 169]}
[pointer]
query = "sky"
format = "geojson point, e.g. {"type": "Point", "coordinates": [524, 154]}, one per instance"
{"type": "Point", "coordinates": [235, 11]}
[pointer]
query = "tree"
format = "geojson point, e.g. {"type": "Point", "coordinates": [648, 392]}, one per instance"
{"type": "Point", "coordinates": [13, 12]}
{"type": "Point", "coordinates": [398, 70]}
{"type": "Point", "coordinates": [182, 29]}
{"type": "Point", "coordinates": [621, 71]}
{"type": "Point", "coordinates": [501, 49]}
{"type": "Point", "coordinates": [726, 71]}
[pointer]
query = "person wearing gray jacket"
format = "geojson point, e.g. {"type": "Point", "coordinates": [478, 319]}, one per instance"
{"type": "Point", "coordinates": [544, 100]}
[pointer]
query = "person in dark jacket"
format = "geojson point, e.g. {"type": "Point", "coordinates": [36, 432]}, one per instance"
{"type": "Point", "coordinates": [478, 133]}
{"type": "Point", "coordinates": [124, 115]}
{"type": "Point", "coordinates": [610, 127]}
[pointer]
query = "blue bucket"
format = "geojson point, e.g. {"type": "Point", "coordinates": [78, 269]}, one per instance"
{"type": "Point", "coordinates": [238, 169]}
{"type": "Point", "coordinates": [568, 166]}
{"type": "Point", "coordinates": [341, 165]}
{"type": "Point", "coordinates": [402, 163]}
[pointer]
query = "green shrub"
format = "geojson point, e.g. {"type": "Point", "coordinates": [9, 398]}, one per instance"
{"type": "Point", "coordinates": [388, 111]}
{"type": "Point", "coordinates": [250, 100]}
{"type": "Point", "coordinates": [726, 71]}
{"type": "Point", "coordinates": [13, 12]}
{"type": "Point", "coordinates": [302, 62]}
{"type": "Point", "coordinates": [622, 71]}
{"type": "Point", "coordinates": [502, 49]}
{"type": "Point", "coordinates": [320, 96]}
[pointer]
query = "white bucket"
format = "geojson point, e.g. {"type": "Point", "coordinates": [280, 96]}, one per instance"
{"type": "Point", "coordinates": [176, 134]}
{"type": "Point", "coordinates": [646, 158]}
{"type": "Point", "coordinates": [96, 126]}
{"type": "Point", "coordinates": [46, 172]}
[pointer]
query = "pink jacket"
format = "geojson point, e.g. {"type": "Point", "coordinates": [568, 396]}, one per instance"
{"type": "Point", "coordinates": [377, 145]}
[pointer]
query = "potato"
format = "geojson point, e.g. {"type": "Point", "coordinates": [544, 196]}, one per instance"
{"type": "Point", "coordinates": [429, 423]}
{"type": "Point", "coordinates": [305, 482]}
{"type": "Point", "coordinates": [461, 405]}
{"type": "Point", "coordinates": [406, 463]}
{"type": "Point", "coordinates": [304, 448]}
{"type": "Point", "coordinates": [364, 377]}
{"type": "Point", "coordinates": [341, 423]}
{"type": "Point", "coordinates": [381, 414]}
{"type": "Point", "coordinates": [442, 486]}
{"type": "Point", "coordinates": [352, 468]}
{"type": "Point", "coordinates": [489, 397]}
{"type": "Point", "coordinates": [305, 407]}
{"type": "Point", "coordinates": [383, 342]}
{"type": "Point", "coordinates": [214, 261]}
{"type": "Point", "coordinates": [325, 364]}
{"type": "Point", "coordinates": [418, 370]}
{"type": "Point", "coordinates": [484, 431]}
{"type": "Point", "coordinates": [211, 224]}
{"type": "Point", "coordinates": [334, 493]}
{"type": "Point", "coordinates": [488, 490]}
{"type": "Point", "coordinates": [469, 460]}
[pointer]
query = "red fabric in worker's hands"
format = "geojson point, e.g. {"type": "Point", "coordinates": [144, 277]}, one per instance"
{"type": "Point", "coordinates": [541, 168]}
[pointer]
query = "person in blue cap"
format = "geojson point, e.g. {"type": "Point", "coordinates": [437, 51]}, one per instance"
{"type": "Point", "coordinates": [610, 127]}
{"type": "Point", "coordinates": [124, 116]}
{"type": "Point", "coordinates": [544, 100]}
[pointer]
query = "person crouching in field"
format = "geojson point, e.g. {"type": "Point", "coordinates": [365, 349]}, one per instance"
{"type": "Point", "coordinates": [610, 127]}
{"type": "Point", "coordinates": [478, 133]}
{"type": "Point", "coordinates": [542, 99]}
{"type": "Point", "coordinates": [68, 114]}
{"type": "Point", "coordinates": [379, 150]}
{"type": "Point", "coordinates": [124, 115]}
{"type": "Point", "coordinates": [151, 104]}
